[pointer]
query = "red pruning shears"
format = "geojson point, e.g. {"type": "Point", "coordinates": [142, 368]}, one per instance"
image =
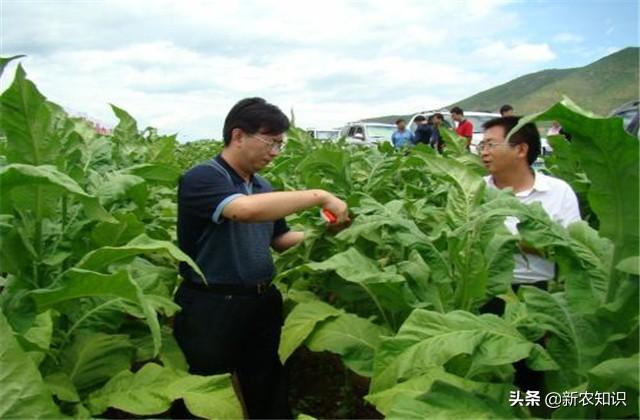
{"type": "Point", "coordinates": [328, 216]}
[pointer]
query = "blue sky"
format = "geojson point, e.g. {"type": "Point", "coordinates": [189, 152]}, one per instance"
{"type": "Point", "coordinates": [180, 66]}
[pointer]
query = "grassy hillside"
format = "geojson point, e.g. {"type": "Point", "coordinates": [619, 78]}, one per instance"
{"type": "Point", "coordinates": [598, 87]}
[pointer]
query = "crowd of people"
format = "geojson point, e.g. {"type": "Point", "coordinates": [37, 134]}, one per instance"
{"type": "Point", "coordinates": [427, 130]}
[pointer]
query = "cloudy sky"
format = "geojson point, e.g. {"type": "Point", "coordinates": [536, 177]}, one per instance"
{"type": "Point", "coordinates": [180, 65]}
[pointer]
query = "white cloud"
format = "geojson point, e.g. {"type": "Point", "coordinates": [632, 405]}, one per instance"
{"type": "Point", "coordinates": [568, 38]}
{"type": "Point", "coordinates": [180, 66]}
{"type": "Point", "coordinates": [518, 54]}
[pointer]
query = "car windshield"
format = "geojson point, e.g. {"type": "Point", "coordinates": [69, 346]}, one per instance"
{"type": "Point", "coordinates": [326, 134]}
{"type": "Point", "coordinates": [627, 116]}
{"type": "Point", "coordinates": [478, 121]}
{"type": "Point", "coordinates": [380, 131]}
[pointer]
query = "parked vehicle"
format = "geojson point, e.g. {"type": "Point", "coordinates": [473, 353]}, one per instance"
{"type": "Point", "coordinates": [365, 133]}
{"type": "Point", "coordinates": [325, 135]}
{"type": "Point", "coordinates": [630, 114]}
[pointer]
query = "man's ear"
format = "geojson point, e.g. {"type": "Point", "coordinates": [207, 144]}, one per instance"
{"type": "Point", "coordinates": [237, 135]}
{"type": "Point", "coordinates": [523, 150]}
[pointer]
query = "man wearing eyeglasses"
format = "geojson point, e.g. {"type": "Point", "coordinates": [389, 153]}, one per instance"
{"type": "Point", "coordinates": [509, 165]}
{"type": "Point", "coordinates": [228, 219]}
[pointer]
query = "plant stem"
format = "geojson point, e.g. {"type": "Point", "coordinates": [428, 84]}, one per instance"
{"type": "Point", "coordinates": [37, 240]}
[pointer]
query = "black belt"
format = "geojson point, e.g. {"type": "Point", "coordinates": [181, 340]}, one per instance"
{"type": "Point", "coordinates": [230, 289]}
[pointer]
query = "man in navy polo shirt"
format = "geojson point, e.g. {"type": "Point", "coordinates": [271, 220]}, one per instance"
{"type": "Point", "coordinates": [228, 218]}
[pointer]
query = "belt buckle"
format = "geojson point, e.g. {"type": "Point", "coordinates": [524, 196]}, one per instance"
{"type": "Point", "coordinates": [262, 288]}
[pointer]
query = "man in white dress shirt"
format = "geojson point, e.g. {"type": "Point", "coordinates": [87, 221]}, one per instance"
{"type": "Point", "coordinates": [509, 165]}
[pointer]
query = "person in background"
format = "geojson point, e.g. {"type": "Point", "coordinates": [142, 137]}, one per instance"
{"type": "Point", "coordinates": [424, 130]}
{"type": "Point", "coordinates": [402, 137]}
{"type": "Point", "coordinates": [508, 162]}
{"type": "Point", "coordinates": [464, 127]}
{"type": "Point", "coordinates": [436, 140]}
{"type": "Point", "coordinates": [509, 165]}
{"type": "Point", "coordinates": [554, 130]}
{"type": "Point", "coordinates": [228, 219]}
{"type": "Point", "coordinates": [506, 110]}
{"type": "Point", "coordinates": [557, 130]}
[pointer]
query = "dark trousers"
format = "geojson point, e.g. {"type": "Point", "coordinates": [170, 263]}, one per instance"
{"type": "Point", "coordinates": [236, 333]}
{"type": "Point", "coordinates": [525, 378]}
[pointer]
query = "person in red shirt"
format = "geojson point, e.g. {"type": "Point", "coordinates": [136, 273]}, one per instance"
{"type": "Point", "coordinates": [465, 127]}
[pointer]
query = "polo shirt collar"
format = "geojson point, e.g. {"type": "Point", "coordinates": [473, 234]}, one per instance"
{"type": "Point", "coordinates": [237, 179]}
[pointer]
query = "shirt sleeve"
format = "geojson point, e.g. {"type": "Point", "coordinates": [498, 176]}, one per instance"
{"type": "Point", "coordinates": [570, 208]}
{"type": "Point", "coordinates": [280, 227]}
{"type": "Point", "coordinates": [204, 192]}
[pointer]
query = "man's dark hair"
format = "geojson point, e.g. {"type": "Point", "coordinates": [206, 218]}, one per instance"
{"type": "Point", "coordinates": [399, 120]}
{"type": "Point", "coordinates": [457, 110]}
{"type": "Point", "coordinates": [528, 134]}
{"type": "Point", "coordinates": [505, 108]}
{"type": "Point", "coordinates": [419, 118]}
{"type": "Point", "coordinates": [438, 116]}
{"type": "Point", "coordinates": [254, 115]}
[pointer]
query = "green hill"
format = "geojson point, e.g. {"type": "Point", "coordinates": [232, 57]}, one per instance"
{"type": "Point", "coordinates": [598, 87]}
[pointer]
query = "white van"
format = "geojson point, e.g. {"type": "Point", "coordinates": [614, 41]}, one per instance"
{"type": "Point", "coordinates": [324, 135]}
{"type": "Point", "coordinates": [366, 133]}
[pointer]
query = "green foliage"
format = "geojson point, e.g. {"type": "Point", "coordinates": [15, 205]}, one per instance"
{"type": "Point", "coordinates": [88, 270]}
{"type": "Point", "coordinates": [87, 263]}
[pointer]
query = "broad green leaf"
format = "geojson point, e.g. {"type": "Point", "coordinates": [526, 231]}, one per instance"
{"type": "Point", "coordinates": [384, 288]}
{"type": "Point", "coordinates": [127, 128]}
{"type": "Point", "coordinates": [609, 157]}
{"type": "Point", "coordinates": [142, 393]}
{"type": "Point", "coordinates": [575, 342]}
{"type": "Point", "coordinates": [15, 175]}
{"type": "Point", "coordinates": [300, 323]}
{"type": "Point", "coordinates": [61, 386]}
{"type": "Point", "coordinates": [40, 333]}
{"type": "Point", "coordinates": [116, 187]}
{"type": "Point", "coordinates": [128, 226]}
{"type": "Point", "coordinates": [446, 401]}
{"type": "Point", "coordinates": [23, 394]}
{"type": "Point", "coordinates": [152, 389]}
{"type": "Point", "coordinates": [324, 168]}
{"type": "Point", "coordinates": [28, 123]}
{"type": "Point", "coordinates": [353, 338]}
{"type": "Point", "coordinates": [207, 396]}
{"type": "Point", "coordinates": [155, 172]}
{"type": "Point", "coordinates": [466, 187]}
{"type": "Point", "coordinates": [454, 145]}
{"type": "Point", "coordinates": [171, 355]}
{"type": "Point", "coordinates": [433, 292]}
{"type": "Point", "coordinates": [105, 256]}
{"type": "Point", "coordinates": [6, 60]}
{"type": "Point", "coordinates": [94, 358]}
{"type": "Point", "coordinates": [630, 265]}
{"type": "Point", "coordinates": [417, 386]}
{"type": "Point", "coordinates": [79, 283]}
{"type": "Point", "coordinates": [618, 371]}
{"type": "Point", "coordinates": [352, 266]}
{"type": "Point", "coordinates": [428, 339]}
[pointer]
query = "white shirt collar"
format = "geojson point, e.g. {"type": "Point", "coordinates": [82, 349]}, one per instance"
{"type": "Point", "coordinates": [540, 183]}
